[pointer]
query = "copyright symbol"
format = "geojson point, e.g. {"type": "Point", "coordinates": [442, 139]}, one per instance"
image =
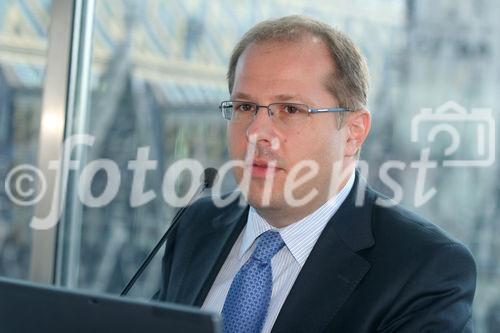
{"type": "Point", "coordinates": [23, 179]}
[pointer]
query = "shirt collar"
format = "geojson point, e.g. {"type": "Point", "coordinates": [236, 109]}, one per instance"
{"type": "Point", "coordinates": [299, 237]}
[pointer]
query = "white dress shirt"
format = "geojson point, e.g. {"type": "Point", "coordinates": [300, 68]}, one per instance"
{"type": "Point", "coordinates": [299, 237]}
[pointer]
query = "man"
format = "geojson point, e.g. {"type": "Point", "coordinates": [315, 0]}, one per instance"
{"type": "Point", "coordinates": [312, 251]}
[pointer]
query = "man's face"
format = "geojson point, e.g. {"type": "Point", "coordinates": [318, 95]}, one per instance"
{"type": "Point", "coordinates": [270, 72]}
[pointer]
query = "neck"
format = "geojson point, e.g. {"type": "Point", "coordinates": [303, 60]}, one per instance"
{"type": "Point", "coordinates": [286, 215]}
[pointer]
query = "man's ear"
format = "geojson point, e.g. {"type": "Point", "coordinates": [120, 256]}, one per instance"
{"type": "Point", "coordinates": [358, 125]}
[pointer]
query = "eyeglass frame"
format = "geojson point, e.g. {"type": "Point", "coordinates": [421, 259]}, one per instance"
{"type": "Point", "coordinates": [309, 109]}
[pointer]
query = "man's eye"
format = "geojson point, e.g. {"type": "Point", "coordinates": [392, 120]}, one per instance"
{"type": "Point", "coordinates": [244, 107]}
{"type": "Point", "coordinates": [291, 109]}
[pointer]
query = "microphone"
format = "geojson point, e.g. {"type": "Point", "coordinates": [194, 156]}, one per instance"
{"type": "Point", "coordinates": [207, 181]}
{"type": "Point", "coordinates": [209, 176]}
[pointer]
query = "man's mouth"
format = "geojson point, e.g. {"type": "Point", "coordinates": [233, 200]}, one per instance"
{"type": "Point", "coordinates": [261, 168]}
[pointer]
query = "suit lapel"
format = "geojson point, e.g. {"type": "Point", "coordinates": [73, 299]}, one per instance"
{"type": "Point", "coordinates": [215, 245]}
{"type": "Point", "coordinates": [332, 270]}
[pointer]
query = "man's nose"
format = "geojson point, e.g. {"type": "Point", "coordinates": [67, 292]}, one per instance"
{"type": "Point", "coordinates": [261, 128]}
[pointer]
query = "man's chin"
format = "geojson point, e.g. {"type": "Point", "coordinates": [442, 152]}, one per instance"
{"type": "Point", "coordinates": [260, 202]}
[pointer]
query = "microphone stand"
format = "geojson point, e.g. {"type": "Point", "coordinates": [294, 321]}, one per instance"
{"type": "Point", "coordinates": [209, 176]}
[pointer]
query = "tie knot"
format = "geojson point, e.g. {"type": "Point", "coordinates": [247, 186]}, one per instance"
{"type": "Point", "coordinates": [268, 244]}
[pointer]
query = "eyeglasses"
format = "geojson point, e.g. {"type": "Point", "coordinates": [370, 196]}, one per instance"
{"type": "Point", "coordinates": [286, 115]}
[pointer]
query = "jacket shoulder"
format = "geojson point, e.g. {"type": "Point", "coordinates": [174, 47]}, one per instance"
{"type": "Point", "coordinates": [404, 235]}
{"type": "Point", "coordinates": [399, 223]}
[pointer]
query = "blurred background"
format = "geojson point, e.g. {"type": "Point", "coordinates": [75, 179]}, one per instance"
{"type": "Point", "coordinates": [151, 74]}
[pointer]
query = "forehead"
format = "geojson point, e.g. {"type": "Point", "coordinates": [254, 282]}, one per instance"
{"type": "Point", "coordinates": [284, 68]}
{"type": "Point", "coordinates": [307, 51]}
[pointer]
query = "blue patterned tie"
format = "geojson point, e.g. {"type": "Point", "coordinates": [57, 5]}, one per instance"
{"type": "Point", "coordinates": [247, 301]}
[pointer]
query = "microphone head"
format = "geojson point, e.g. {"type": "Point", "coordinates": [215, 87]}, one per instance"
{"type": "Point", "coordinates": [209, 176]}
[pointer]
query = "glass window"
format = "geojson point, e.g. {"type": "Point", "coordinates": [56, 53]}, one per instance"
{"type": "Point", "coordinates": [23, 47]}
{"type": "Point", "coordinates": [157, 75]}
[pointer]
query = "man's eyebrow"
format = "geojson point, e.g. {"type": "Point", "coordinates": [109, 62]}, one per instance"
{"type": "Point", "coordinates": [285, 97]}
{"type": "Point", "coordinates": [240, 95]}
{"type": "Point", "coordinates": [277, 98]}
{"type": "Point", "coordinates": [295, 98]}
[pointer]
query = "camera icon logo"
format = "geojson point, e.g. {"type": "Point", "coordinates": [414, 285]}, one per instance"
{"type": "Point", "coordinates": [471, 134]}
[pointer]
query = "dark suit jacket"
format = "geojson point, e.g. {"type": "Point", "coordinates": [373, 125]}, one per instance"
{"type": "Point", "coordinates": [373, 269]}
